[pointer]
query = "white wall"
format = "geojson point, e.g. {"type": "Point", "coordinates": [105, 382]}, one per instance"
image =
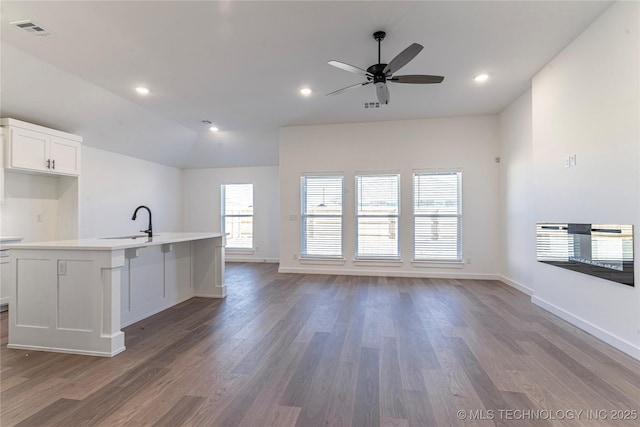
{"type": "Point", "coordinates": [517, 216]}
{"type": "Point", "coordinates": [113, 185]}
{"type": "Point", "coordinates": [31, 207]}
{"type": "Point", "coordinates": [586, 102]}
{"type": "Point", "coordinates": [201, 212]}
{"type": "Point", "coordinates": [469, 143]}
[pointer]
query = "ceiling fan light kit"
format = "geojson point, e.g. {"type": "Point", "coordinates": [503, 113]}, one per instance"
{"type": "Point", "coordinates": [380, 74]}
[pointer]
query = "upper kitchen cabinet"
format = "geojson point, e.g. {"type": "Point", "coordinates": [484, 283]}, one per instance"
{"type": "Point", "coordinates": [35, 148]}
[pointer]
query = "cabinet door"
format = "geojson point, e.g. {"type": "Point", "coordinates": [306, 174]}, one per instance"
{"type": "Point", "coordinates": [65, 156]}
{"type": "Point", "coordinates": [29, 150]}
{"type": "Point", "coordinates": [5, 285]}
{"type": "Point", "coordinates": [1, 167]}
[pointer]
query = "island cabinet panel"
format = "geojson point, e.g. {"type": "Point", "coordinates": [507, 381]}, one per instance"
{"type": "Point", "coordinates": [73, 293]}
{"type": "Point", "coordinates": [154, 279]}
{"type": "Point", "coordinates": [146, 278]}
{"type": "Point", "coordinates": [177, 270]}
{"type": "Point", "coordinates": [39, 277]}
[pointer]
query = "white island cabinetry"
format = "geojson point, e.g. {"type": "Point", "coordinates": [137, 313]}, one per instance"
{"type": "Point", "coordinates": [74, 296]}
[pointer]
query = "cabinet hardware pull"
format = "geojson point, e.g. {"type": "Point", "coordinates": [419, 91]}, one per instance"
{"type": "Point", "coordinates": [48, 163]}
{"type": "Point", "coordinates": [53, 162]}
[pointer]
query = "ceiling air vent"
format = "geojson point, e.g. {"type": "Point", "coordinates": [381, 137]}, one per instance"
{"type": "Point", "coordinates": [31, 27]}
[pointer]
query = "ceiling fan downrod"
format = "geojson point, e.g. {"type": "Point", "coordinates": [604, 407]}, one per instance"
{"type": "Point", "coordinates": [379, 36]}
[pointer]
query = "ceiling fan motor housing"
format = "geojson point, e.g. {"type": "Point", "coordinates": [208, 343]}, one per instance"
{"type": "Point", "coordinates": [378, 75]}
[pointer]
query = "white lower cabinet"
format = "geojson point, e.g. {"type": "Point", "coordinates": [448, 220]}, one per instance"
{"type": "Point", "coordinates": [154, 278]}
{"type": "Point", "coordinates": [5, 277]}
{"type": "Point", "coordinates": [5, 271]}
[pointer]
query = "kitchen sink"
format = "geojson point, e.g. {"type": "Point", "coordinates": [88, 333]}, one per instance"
{"type": "Point", "coordinates": [132, 236]}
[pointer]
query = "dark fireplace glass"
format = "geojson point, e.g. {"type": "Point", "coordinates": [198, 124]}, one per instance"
{"type": "Point", "coordinates": [601, 250]}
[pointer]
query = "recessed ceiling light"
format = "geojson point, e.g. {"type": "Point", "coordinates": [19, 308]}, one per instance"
{"type": "Point", "coordinates": [142, 90]}
{"type": "Point", "coordinates": [214, 129]}
{"type": "Point", "coordinates": [305, 91]}
{"type": "Point", "coordinates": [481, 78]}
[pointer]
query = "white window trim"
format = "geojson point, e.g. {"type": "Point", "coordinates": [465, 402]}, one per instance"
{"type": "Point", "coordinates": [223, 216]}
{"type": "Point", "coordinates": [316, 260]}
{"type": "Point", "coordinates": [378, 262]}
{"type": "Point", "coordinates": [437, 263]}
{"type": "Point", "coordinates": [397, 217]}
{"type": "Point", "coordinates": [321, 259]}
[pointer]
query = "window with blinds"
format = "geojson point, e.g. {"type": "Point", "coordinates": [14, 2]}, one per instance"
{"type": "Point", "coordinates": [237, 215]}
{"type": "Point", "coordinates": [437, 212]}
{"type": "Point", "coordinates": [377, 214]}
{"type": "Point", "coordinates": [321, 217]}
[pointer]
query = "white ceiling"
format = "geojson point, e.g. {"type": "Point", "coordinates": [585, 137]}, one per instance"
{"type": "Point", "coordinates": [241, 64]}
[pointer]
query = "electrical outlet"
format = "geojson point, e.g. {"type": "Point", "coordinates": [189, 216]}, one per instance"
{"type": "Point", "coordinates": [572, 161]}
{"type": "Point", "coordinates": [39, 218]}
{"type": "Point", "coordinates": [62, 268]}
{"type": "Point", "coordinates": [468, 260]}
{"type": "Point", "coordinates": [295, 256]}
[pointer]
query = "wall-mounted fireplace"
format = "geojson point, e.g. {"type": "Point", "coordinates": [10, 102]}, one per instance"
{"type": "Point", "coordinates": [601, 250]}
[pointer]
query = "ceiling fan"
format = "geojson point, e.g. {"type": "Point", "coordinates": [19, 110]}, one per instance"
{"type": "Point", "coordinates": [379, 74]}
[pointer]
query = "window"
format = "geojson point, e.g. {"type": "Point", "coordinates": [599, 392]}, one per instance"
{"type": "Point", "coordinates": [237, 215]}
{"type": "Point", "coordinates": [321, 216]}
{"type": "Point", "coordinates": [377, 212]}
{"type": "Point", "coordinates": [437, 216]}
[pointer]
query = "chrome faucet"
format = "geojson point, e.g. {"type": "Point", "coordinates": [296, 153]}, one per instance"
{"type": "Point", "coordinates": [149, 230]}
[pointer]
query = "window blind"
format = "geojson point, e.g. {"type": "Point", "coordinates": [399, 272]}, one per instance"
{"type": "Point", "coordinates": [437, 216]}
{"type": "Point", "coordinates": [237, 215]}
{"type": "Point", "coordinates": [321, 216]}
{"type": "Point", "coordinates": [377, 211]}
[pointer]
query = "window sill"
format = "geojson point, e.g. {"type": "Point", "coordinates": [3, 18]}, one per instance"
{"type": "Point", "coordinates": [322, 261]}
{"type": "Point", "coordinates": [438, 264]}
{"type": "Point", "coordinates": [379, 262]}
{"type": "Point", "coordinates": [240, 251]}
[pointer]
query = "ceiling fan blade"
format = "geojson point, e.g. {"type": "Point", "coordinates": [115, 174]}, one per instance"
{"type": "Point", "coordinates": [417, 78]}
{"type": "Point", "coordinates": [383, 93]}
{"type": "Point", "coordinates": [344, 89]}
{"type": "Point", "coordinates": [402, 59]}
{"type": "Point", "coordinates": [349, 68]}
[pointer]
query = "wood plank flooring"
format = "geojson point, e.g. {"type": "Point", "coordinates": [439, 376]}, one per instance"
{"type": "Point", "coordinates": [318, 350]}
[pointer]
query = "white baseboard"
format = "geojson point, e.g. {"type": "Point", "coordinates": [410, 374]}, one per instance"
{"type": "Point", "coordinates": [66, 350]}
{"type": "Point", "coordinates": [389, 273]}
{"type": "Point", "coordinates": [516, 285]}
{"type": "Point", "coordinates": [622, 345]}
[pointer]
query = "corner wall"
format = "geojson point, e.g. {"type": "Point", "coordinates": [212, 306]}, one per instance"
{"type": "Point", "coordinates": [202, 204]}
{"type": "Point", "coordinates": [517, 216]}
{"type": "Point", "coordinates": [468, 143]}
{"type": "Point", "coordinates": [586, 102]}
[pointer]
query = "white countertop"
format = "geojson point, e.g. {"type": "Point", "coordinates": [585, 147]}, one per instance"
{"type": "Point", "coordinates": [126, 242]}
{"type": "Point", "coordinates": [9, 238]}
{"type": "Point", "coordinates": [6, 241]}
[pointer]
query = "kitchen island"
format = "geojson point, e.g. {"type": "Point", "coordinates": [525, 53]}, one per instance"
{"type": "Point", "coordinates": [74, 296]}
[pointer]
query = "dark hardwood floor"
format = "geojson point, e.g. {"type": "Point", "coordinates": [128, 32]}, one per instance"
{"type": "Point", "coordinates": [318, 350]}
